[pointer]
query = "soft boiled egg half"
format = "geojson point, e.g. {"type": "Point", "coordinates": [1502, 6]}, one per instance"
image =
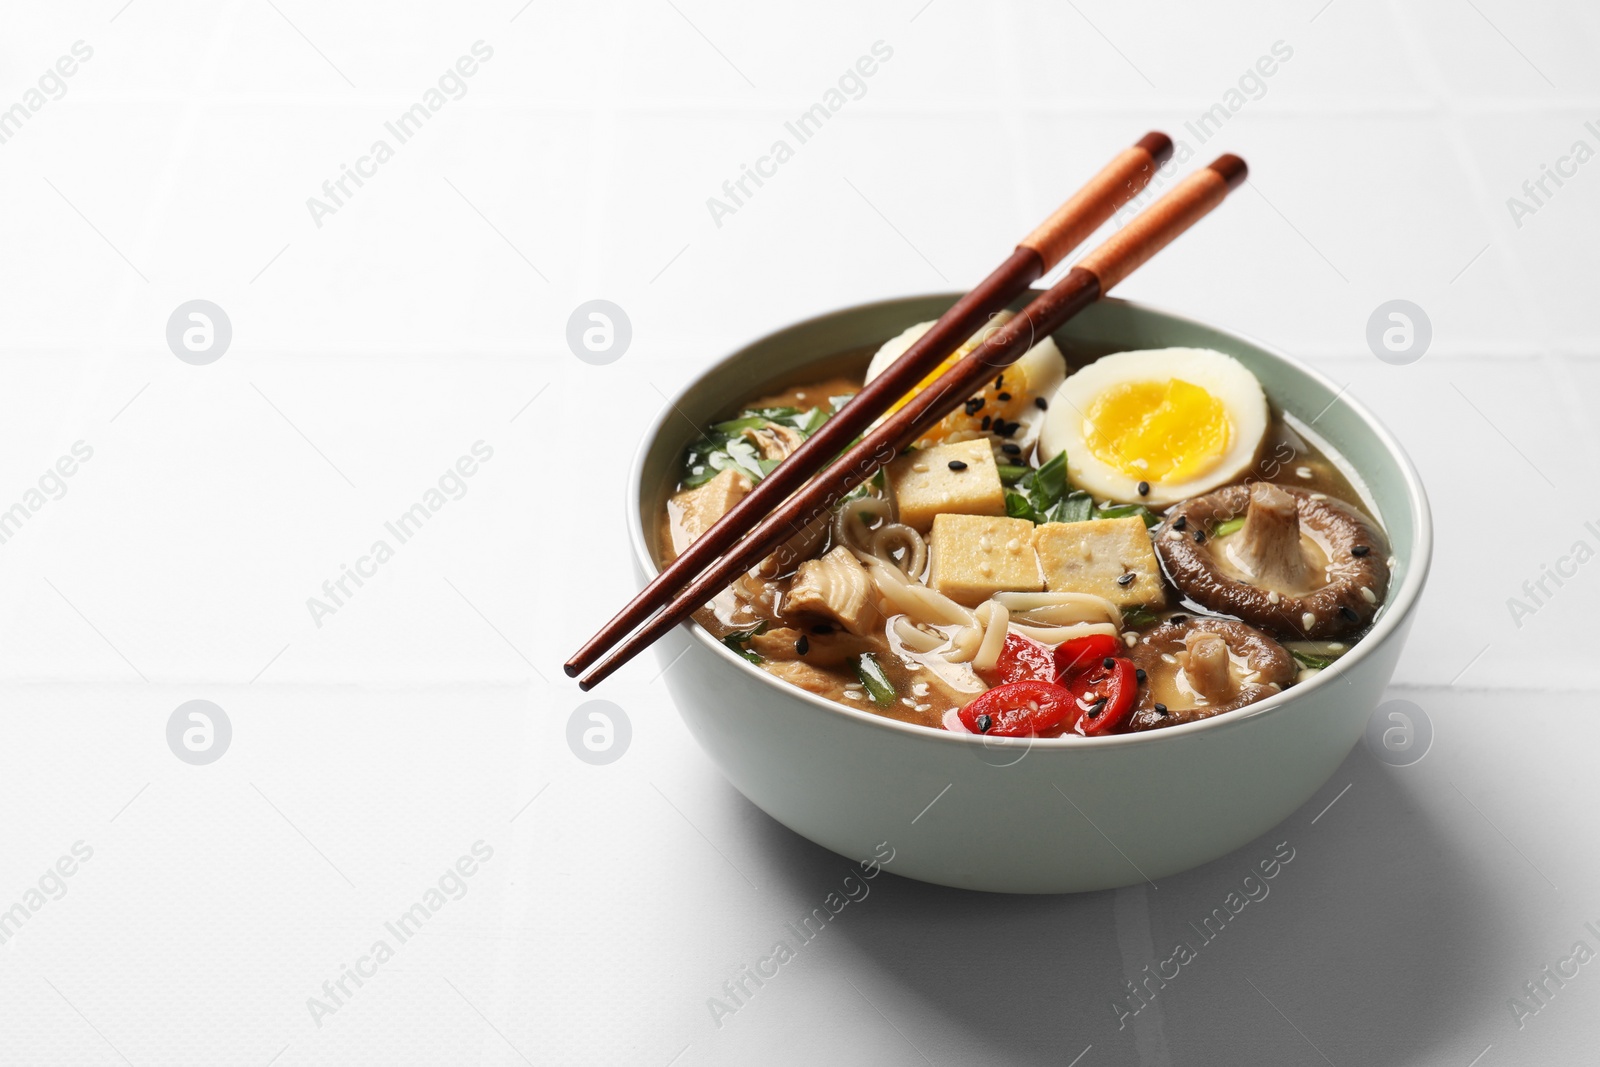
{"type": "Point", "coordinates": [1181, 420]}
{"type": "Point", "coordinates": [1008, 396]}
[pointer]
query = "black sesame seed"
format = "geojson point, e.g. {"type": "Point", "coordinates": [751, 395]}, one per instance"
{"type": "Point", "coordinates": [957, 465]}
{"type": "Point", "coordinates": [1180, 522]}
{"type": "Point", "coordinates": [1041, 403]}
{"type": "Point", "coordinates": [1099, 706]}
{"type": "Point", "coordinates": [1002, 397]}
{"type": "Point", "coordinates": [1144, 488]}
{"type": "Point", "coordinates": [1108, 663]}
{"type": "Point", "coordinates": [984, 722]}
{"type": "Point", "coordinates": [1161, 709]}
{"type": "Point", "coordinates": [984, 425]}
{"type": "Point", "coordinates": [1348, 612]}
{"type": "Point", "coordinates": [1199, 537]}
{"type": "Point", "coordinates": [1359, 550]}
{"type": "Point", "coordinates": [1126, 579]}
{"type": "Point", "coordinates": [1010, 449]}
{"type": "Point", "coordinates": [803, 645]}
{"type": "Point", "coordinates": [1000, 380]}
{"type": "Point", "coordinates": [1140, 675]}
{"type": "Point", "coordinates": [975, 405]}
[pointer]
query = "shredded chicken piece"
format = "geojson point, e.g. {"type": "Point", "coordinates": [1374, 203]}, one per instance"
{"type": "Point", "coordinates": [834, 587]}
{"type": "Point", "coordinates": [821, 650]}
{"type": "Point", "coordinates": [811, 679]}
{"type": "Point", "coordinates": [1205, 663]}
{"type": "Point", "coordinates": [1268, 545]}
{"type": "Point", "coordinates": [693, 511]}
{"type": "Point", "coordinates": [774, 441]}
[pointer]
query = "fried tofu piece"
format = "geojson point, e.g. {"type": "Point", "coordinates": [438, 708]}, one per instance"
{"type": "Point", "coordinates": [1093, 557]}
{"type": "Point", "coordinates": [693, 511]}
{"type": "Point", "coordinates": [835, 588]}
{"type": "Point", "coordinates": [976, 556]}
{"type": "Point", "coordinates": [924, 485]}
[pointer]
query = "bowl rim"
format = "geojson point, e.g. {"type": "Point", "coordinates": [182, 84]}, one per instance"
{"type": "Point", "coordinates": [1398, 608]}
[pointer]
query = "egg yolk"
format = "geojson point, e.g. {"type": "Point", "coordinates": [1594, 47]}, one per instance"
{"type": "Point", "coordinates": [1167, 431]}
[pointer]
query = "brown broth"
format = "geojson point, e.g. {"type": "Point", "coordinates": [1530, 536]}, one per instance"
{"type": "Point", "coordinates": [1286, 458]}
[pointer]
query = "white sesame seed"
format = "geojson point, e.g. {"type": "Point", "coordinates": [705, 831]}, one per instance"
{"type": "Point", "coordinates": [1368, 595]}
{"type": "Point", "coordinates": [1308, 620]}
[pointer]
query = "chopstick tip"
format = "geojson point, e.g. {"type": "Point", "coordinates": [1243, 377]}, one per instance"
{"type": "Point", "coordinates": [1233, 169]}
{"type": "Point", "coordinates": [1158, 144]}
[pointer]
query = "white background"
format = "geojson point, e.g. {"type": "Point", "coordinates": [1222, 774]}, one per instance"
{"type": "Point", "coordinates": [429, 313]}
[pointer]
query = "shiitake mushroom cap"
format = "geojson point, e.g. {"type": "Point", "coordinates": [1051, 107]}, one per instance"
{"type": "Point", "coordinates": [1357, 565]}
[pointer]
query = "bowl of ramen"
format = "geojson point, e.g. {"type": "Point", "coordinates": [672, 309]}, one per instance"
{"type": "Point", "coordinates": [1119, 614]}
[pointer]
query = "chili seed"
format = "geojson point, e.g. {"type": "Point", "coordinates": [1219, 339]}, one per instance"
{"type": "Point", "coordinates": [1348, 612]}
{"type": "Point", "coordinates": [1126, 579]}
{"type": "Point", "coordinates": [803, 645]}
{"type": "Point", "coordinates": [1010, 449]}
{"type": "Point", "coordinates": [957, 465]}
{"type": "Point", "coordinates": [1180, 522]}
{"type": "Point", "coordinates": [1140, 675]}
{"type": "Point", "coordinates": [984, 722]}
{"type": "Point", "coordinates": [1108, 663]}
{"type": "Point", "coordinates": [1161, 709]}
{"type": "Point", "coordinates": [1041, 403]}
{"type": "Point", "coordinates": [1144, 488]}
{"type": "Point", "coordinates": [1359, 550]}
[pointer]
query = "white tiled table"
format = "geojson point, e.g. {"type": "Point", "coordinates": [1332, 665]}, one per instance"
{"type": "Point", "coordinates": [428, 713]}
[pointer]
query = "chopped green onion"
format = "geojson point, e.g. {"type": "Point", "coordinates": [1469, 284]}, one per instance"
{"type": "Point", "coordinates": [1019, 507]}
{"type": "Point", "coordinates": [871, 673]}
{"type": "Point", "coordinates": [1078, 506]}
{"type": "Point", "coordinates": [738, 639]}
{"type": "Point", "coordinates": [1312, 662]}
{"type": "Point", "coordinates": [1011, 474]}
{"type": "Point", "coordinates": [1121, 511]}
{"type": "Point", "coordinates": [1137, 618]}
{"type": "Point", "coordinates": [1223, 529]}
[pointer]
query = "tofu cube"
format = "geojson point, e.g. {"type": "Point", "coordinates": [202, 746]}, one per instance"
{"type": "Point", "coordinates": [924, 485]}
{"type": "Point", "coordinates": [976, 556]}
{"type": "Point", "coordinates": [1090, 557]}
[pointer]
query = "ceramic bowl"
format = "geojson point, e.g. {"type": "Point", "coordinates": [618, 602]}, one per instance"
{"type": "Point", "coordinates": [1053, 815]}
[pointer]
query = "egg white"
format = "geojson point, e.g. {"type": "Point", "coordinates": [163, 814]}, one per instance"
{"type": "Point", "coordinates": [1219, 374]}
{"type": "Point", "coordinates": [1043, 367]}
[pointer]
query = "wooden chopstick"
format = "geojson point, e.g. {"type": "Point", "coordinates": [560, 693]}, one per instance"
{"type": "Point", "coordinates": [1149, 232]}
{"type": "Point", "coordinates": [1118, 182]}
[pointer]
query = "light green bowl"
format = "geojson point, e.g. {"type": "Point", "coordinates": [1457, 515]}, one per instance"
{"type": "Point", "coordinates": [1018, 815]}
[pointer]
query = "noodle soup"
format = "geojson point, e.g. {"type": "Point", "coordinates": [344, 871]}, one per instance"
{"type": "Point", "coordinates": [1140, 543]}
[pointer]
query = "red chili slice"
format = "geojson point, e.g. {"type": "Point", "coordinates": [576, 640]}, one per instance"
{"type": "Point", "coordinates": [1081, 653]}
{"type": "Point", "coordinates": [1104, 697]}
{"type": "Point", "coordinates": [1021, 709]}
{"type": "Point", "coordinates": [1021, 660]}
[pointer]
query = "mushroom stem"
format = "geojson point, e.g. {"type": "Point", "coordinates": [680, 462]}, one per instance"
{"type": "Point", "coordinates": [1268, 545]}
{"type": "Point", "coordinates": [1205, 662]}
